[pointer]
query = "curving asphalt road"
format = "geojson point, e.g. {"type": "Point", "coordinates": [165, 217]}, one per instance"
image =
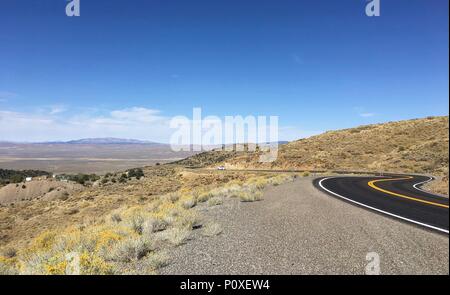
{"type": "Point", "coordinates": [397, 196]}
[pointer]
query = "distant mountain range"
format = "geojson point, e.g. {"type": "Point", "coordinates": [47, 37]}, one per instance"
{"type": "Point", "coordinates": [109, 140]}
{"type": "Point", "coordinates": [100, 140]}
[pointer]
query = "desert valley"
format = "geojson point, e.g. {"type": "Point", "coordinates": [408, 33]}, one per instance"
{"type": "Point", "coordinates": [133, 214]}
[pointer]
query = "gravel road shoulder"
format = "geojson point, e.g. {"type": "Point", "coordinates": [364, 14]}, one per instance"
{"type": "Point", "coordinates": [297, 229]}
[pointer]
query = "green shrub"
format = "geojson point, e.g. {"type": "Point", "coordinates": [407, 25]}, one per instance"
{"type": "Point", "coordinates": [137, 173]}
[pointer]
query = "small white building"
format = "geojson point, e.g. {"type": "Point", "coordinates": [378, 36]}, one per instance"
{"type": "Point", "coordinates": [28, 179]}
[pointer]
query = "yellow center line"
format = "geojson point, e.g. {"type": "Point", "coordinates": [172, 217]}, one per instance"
{"type": "Point", "coordinates": [372, 185]}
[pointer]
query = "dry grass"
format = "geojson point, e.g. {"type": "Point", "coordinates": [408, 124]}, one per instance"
{"type": "Point", "coordinates": [131, 237]}
{"type": "Point", "coordinates": [250, 196]}
{"type": "Point", "coordinates": [176, 236]}
{"type": "Point", "coordinates": [412, 146]}
{"type": "Point", "coordinates": [215, 201]}
{"type": "Point", "coordinates": [188, 202]}
{"type": "Point", "coordinates": [212, 229]}
{"type": "Point", "coordinates": [22, 221]}
{"type": "Point", "coordinates": [439, 186]}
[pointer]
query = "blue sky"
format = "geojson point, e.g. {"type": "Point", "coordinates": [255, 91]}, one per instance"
{"type": "Point", "coordinates": [317, 64]}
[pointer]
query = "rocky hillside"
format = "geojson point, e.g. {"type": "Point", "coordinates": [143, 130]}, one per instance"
{"type": "Point", "coordinates": [412, 146]}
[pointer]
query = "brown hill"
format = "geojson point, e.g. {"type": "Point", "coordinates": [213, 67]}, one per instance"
{"type": "Point", "coordinates": [37, 189]}
{"type": "Point", "coordinates": [412, 146]}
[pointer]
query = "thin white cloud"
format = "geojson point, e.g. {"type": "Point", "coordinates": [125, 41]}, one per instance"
{"type": "Point", "coordinates": [55, 124]}
{"type": "Point", "coordinates": [57, 109]}
{"type": "Point", "coordinates": [140, 123]}
{"type": "Point", "coordinates": [137, 114]}
{"type": "Point", "coordinates": [13, 120]}
{"type": "Point", "coordinates": [366, 115]}
{"type": "Point", "coordinates": [361, 111]}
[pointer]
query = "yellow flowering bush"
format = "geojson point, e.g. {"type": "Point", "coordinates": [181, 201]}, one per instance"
{"type": "Point", "coordinates": [124, 241]}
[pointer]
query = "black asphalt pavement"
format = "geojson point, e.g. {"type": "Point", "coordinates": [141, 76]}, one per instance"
{"type": "Point", "coordinates": [397, 196]}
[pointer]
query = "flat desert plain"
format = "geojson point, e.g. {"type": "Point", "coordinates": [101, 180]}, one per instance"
{"type": "Point", "coordinates": [85, 158]}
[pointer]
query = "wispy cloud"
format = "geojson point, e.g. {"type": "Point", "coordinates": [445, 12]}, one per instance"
{"type": "Point", "coordinates": [137, 114]}
{"type": "Point", "coordinates": [53, 124]}
{"type": "Point", "coordinates": [57, 109]}
{"type": "Point", "coordinates": [60, 123]}
{"type": "Point", "coordinates": [366, 115]}
{"type": "Point", "coordinates": [361, 111]}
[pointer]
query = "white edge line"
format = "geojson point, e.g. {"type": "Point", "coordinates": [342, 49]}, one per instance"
{"type": "Point", "coordinates": [421, 183]}
{"type": "Point", "coordinates": [416, 186]}
{"type": "Point", "coordinates": [378, 210]}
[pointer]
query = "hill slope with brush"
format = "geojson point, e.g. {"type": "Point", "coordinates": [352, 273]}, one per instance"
{"type": "Point", "coordinates": [412, 146]}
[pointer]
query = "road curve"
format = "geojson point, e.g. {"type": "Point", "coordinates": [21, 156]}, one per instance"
{"type": "Point", "coordinates": [397, 196]}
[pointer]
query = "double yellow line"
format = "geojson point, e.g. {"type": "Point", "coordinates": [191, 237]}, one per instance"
{"type": "Point", "coordinates": [372, 185]}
